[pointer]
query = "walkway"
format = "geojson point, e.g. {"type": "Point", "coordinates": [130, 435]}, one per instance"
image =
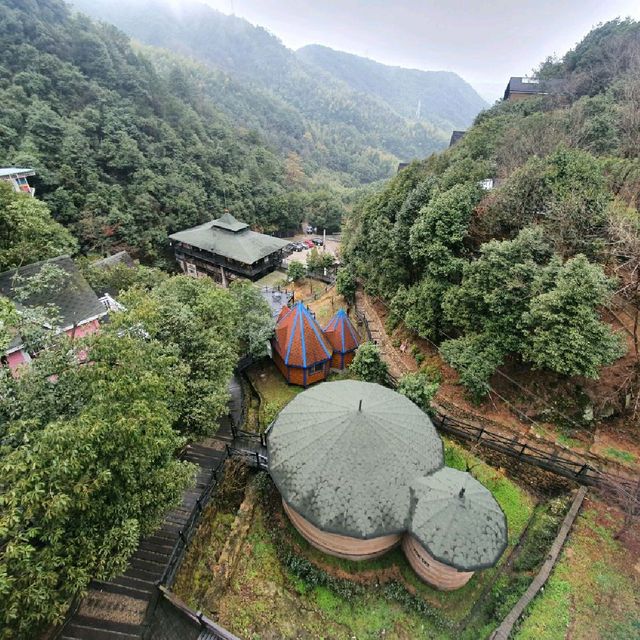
{"type": "Point", "coordinates": [117, 610]}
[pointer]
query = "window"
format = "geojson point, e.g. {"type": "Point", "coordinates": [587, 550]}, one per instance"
{"type": "Point", "coordinates": [317, 368]}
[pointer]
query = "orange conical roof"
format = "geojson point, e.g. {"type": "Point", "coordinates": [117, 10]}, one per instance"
{"type": "Point", "coordinates": [341, 333]}
{"type": "Point", "coordinates": [299, 338]}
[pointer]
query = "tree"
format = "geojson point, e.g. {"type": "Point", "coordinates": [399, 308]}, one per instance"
{"type": "Point", "coordinates": [28, 233]}
{"type": "Point", "coordinates": [346, 284]}
{"type": "Point", "coordinates": [200, 321]}
{"type": "Point", "coordinates": [419, 388]}
{"type": "Point", "coordinates": [563, 332]}
{"type": "Point", "coordinates": [255, 322]}
{"type": "Point", "coordinates": [296, 271]}
{"type": "Point", "coordinates": [121, 277]}
{"type": "Point", "coordinates": [87, 467]}
{"type": "Point", "coordinates": [369, 365]}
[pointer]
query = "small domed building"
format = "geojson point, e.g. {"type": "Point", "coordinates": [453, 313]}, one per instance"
{"type": "Point", "coordinates": [343, 338]}
{"type": "Point", "coordinates": [456, 527]}
{"type": "Point", "coordinates": [360, 469]}
{"type": "Point", "coordinates": [299, 349]}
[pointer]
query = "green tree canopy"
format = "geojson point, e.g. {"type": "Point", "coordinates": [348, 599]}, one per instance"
{"type": "Point", "coordinates": [368, 364]}
{"type": "Point", "coordinates": [28, 233]}
{"type": "Point", "coordinates": [200, 321]}
{"type": "Point", "coordinates": [255, 323]}
{"type": "Point", "coordinates": [87, 461]}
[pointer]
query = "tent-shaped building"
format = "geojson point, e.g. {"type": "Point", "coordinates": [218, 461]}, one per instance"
{"type": "Point", "coordinates": [300, 350]}
{"type": "Point", "coordinates": [360, 469]}
{"type": "Point", "coordinates": [343, 338]}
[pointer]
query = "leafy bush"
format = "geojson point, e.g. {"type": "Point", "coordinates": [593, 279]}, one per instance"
{"type": "Point", "coordinates": [296, 271]}
{"type": "Point", "coordinates": [368, 364]}
{"type": "Point", "coordinates": [419, 388]}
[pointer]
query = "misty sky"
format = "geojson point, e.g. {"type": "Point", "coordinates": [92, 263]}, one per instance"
{"type": "Point", "coordinates": [485, 42]}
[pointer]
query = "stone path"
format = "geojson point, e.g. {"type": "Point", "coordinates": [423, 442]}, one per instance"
{"type": "Point", "coordinates": [117, 610]}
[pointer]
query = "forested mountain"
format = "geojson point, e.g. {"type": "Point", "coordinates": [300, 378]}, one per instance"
{"type": "Point", "coordinates": [442, 98]}
{"type": "Point", "coordinates": [519, 274]}
{"type": "Point", "coordinates": [124, 155]}
{"type": "Point", "coordinates": [332, 126]}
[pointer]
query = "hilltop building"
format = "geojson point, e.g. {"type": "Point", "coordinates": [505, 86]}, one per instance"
{"type": "Point", "coordinates": [79, 308]}
{"type": "Point", "coordinates": [343, 338]}
{"type": "Point", "coordinates": [299, 349]}
{"type": "Point", "coordinates": [360, 469]}
{"type": "Point", "coordinates": [456, 136]}
{"type": "Point", "coordinates": [521, 87]}
{"type": "Point", "coordinates": [17, 177]}
{"type": "Point", "coordinates": [225, 249]}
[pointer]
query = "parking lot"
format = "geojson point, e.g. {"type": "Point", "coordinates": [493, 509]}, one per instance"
{"type": "Point", "coordinates": [332, 246]}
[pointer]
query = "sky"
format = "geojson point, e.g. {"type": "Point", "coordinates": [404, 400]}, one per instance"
{"type": "Point", "coordinates": [483, 41]}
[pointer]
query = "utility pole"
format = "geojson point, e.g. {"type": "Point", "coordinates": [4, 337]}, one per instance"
{"type": "Point", "coordinates": [418, 109]}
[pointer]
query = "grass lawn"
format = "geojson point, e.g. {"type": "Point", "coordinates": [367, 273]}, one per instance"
{"type": "Point", "coordinates": [274, 391]}
{"type": "Point", "coordinates": [594, 590]}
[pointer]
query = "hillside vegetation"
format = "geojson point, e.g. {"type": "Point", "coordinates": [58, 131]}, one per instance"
{"type": "Point", "coordinates": [354, 134]}
{"type": "Point", "coordinates": [123, 154]}
{"type": "Point", "coordinates": [519, 274]}
{"type": "Point", "coordinates": [439, 97]}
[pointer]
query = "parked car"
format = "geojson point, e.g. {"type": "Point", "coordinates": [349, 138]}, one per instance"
{"type": "Point", "coordinates": [308, 243]}
{"type": "Point", "coordinates": [297, 246]}
{"type": "Point", "coordinates": [309, 229]}
{"type": "Point", "coordinates": [318, 242]}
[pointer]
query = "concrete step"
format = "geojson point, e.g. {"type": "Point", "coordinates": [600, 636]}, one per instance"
{"type": "Point", "coordinates": [88, 629]}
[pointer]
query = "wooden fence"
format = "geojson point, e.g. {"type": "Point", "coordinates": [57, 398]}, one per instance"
{"type": "Point", "coordinates": [190, 527]}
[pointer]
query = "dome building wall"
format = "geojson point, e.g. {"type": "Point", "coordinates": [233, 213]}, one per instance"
{"type": "Point", "coordinates": [437, 574]}
{"type": "Point", "coordinates": [340, 546]}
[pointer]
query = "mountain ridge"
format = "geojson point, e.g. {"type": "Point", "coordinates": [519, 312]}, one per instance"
{"type": "Point", "coordinates": [359, 72]}
{"type": "Point", "coordinates": [355, 134]}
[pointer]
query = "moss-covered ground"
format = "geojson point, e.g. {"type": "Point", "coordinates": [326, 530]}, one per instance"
{"type": "Point", "coordinates": [594, 590]}
{"type": "Point", "coordinates": [284, 588]}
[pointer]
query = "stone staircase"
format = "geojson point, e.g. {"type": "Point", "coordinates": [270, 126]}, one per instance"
{"type": "Point", "coordinates": [117, 610]}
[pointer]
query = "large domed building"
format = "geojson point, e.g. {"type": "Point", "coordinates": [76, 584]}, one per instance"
{"type": "Point", "coordinates": [360, 469]}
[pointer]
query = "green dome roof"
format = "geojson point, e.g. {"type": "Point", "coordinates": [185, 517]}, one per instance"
{"type": "Point", "coordinates": [457, 520]}
{"type": "Point", "coordinates": [344, 454]}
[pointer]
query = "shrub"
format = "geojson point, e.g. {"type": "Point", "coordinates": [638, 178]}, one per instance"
{"type": "Point", "coordinates": [368, 364]}
{"type": "Point", "coordinates": [419, 388]}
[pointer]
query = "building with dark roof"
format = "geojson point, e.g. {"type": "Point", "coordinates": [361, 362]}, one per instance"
{"type": "Point", "coordinates": [17, 178]}
{"type": "Point", "coordinates": [344, 339]}
{"type": "Point", "coordinates": [360, 469]}
{"type": "Point", "coordinates": [456, 136]}
{"type": "Point", "coordinates": [225, 249]}
{"type": "Point", "coordinates": [79, 309]}
{"type": "Point", "coordinates": [521, 87]}
{"type": "Point", "coordinates": [299, 349]}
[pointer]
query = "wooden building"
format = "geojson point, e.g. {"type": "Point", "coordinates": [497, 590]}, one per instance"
{"type": "Point", "coordinates": [343, 338]}
{"type": "Point", "coordinates": [333, 454]}
{"type": "Point", "coordinates": [299, 349]}
{"type": "Point", "coordinates": [225, 249]}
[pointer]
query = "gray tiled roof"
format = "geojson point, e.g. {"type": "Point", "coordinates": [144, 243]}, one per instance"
{"type": "Point", "coordinates": [457, 520]}
{"type": "Point", "coordinates": [522, 84]}
{"type": "Point", "coordinates": [230, 238]}
{"type": "Point", "coordinates": [122, 257]}
{"type": "Point", "coordinates": [346, 470]}
{"type": "Point", "coordinates": [75, 299]}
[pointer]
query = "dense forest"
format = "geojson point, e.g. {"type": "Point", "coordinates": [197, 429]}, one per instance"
{"type": "Point", "coordinates": [438, 97]}
{"type": "Point", "coordinates": [124, 155]}
{"type": "Point", "coordinates": [519, 274]}
{"type": "Point", "coordinates": [354, 134]}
